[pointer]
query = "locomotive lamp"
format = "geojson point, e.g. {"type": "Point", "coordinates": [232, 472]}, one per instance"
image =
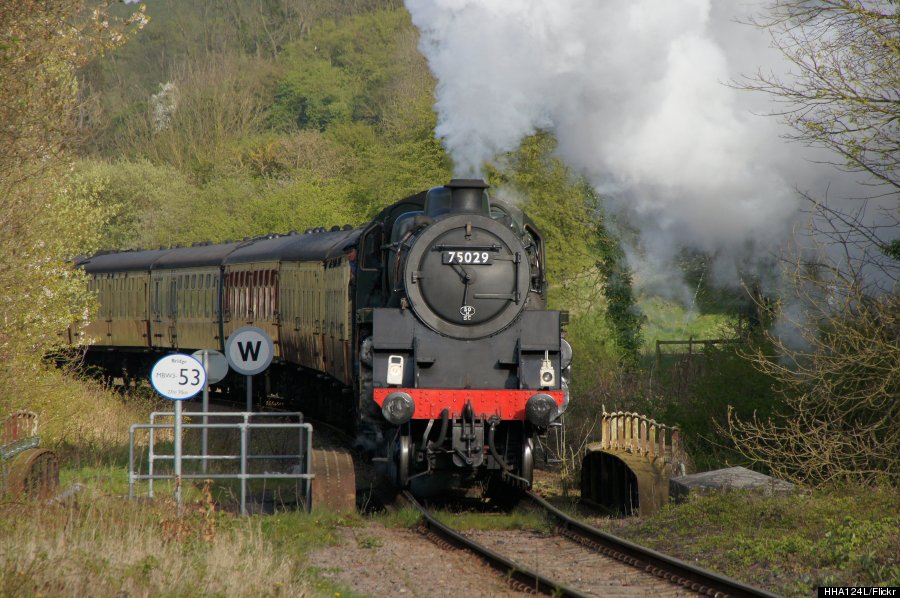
{"type": "Point", "coordinates": [547, 373]}
{"type": "Point", "coordinates": [398, 408]}
{"type": "Point", "coordinates": [395, 370]}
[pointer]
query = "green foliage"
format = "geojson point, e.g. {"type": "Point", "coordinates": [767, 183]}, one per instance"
{"type": "Point", "coordinates": [184, 36]}
{"type": "Point", "coordinates": [710, 297]}
{"type": "Point", "coordinates": [515, 519]}
{"type": "Point", "coordinates": [44, 217]}
{"type": "Point", "coordinates": [294, 534]}
{"type": "Point", "coordinates": [303, 204]}
{"type": "Point", "coordinates": [404, 517]}
{"type": "Point", "coordinates": [622, 311]}
{"type": "Point", "coordinates": [719, 379]}
{"type": "Point", "coordinates": [343, 71]}
{"type": "Point", "coordinates": [315, 96]}
{"type": "Point", "coordinates": [892, 250]}
{"type": "Point", "coordinates": [789, 544]}
{"type": "Point", "coordinates": [336, 129]}
{"type": "Point", "coordinates": [668, 320]}
{"type": "Point", "coordinates": [143, 200]}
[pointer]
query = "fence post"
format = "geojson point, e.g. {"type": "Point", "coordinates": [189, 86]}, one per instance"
{"type": "Point", "coordinates": [131, 462]}
{"type": "Point", "coordinates": [244, 466]}
{"type": "Point", "coordinates": [150, 457]}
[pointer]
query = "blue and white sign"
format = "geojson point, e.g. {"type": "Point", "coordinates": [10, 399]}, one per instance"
{"type": "Point", "coordinates": [249, 350]}
{"type": "Point", "coordinates": [178, 377]}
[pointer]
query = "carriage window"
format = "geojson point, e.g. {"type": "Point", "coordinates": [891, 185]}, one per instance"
{"type": "Point", "coordinates": [215, 296]}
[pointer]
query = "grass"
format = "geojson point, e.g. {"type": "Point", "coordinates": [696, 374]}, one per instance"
{"type": "Point", "coordinates": [667, 320]}
{"type": "Point", "coordinates": [103, 546]}
{"type": "Point", "coordinates": [515, 519]}
{"type": "Point", "coordinates": [788, 545]}
{"type": "Point", "coordinates": [99, 543]}
{"type": "Point", "coordinates": [408, 517]}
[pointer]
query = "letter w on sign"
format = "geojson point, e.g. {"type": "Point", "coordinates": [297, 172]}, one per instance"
{"type": "Point", "coordinates": [249, 349]}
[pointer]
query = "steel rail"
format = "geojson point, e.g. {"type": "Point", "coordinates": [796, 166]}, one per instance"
{"type": "Point", "coordinates": [658, 564]}
{"type": "Point", "coordinates": [521, 579]}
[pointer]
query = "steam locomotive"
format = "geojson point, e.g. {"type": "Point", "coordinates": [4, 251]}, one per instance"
{"type": "Point", "coordinates": [426, 327]}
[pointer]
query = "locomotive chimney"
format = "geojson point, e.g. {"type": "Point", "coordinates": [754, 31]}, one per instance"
{"type": "Point", "coordinates": [468, 196]}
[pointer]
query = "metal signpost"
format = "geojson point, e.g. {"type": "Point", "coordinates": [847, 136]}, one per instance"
{"type": "Point", "coordinates": [216, 367]}
{"type": "Point", "coordinates": [249, 350]}
{"type": "Point", "coordinates": [178, 377]}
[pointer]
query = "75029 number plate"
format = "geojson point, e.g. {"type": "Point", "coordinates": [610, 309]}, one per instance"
{"type": "Point", "coordinates": [466, 258]}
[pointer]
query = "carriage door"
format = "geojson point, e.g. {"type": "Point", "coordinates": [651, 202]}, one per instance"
{"type": "Point", "coordinates": [157, 300]}
{"type": "Point", "coordinates": [173, 311]}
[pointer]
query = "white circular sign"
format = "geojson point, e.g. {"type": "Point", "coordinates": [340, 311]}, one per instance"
{"type": "Point", "coordinates": [216, 364]}
{"type": "Point", "coordinates": [249, 350]}
{"type": "Point", "coordinates": [178, 377]}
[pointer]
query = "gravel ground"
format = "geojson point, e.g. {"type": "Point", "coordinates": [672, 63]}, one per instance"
{"type": "Point", "coordinates": [379, 562]}
{"type": "Point", "coordinates": [575, 566]}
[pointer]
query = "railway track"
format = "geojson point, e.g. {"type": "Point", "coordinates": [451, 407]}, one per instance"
{"type": "Point", "coordinates": [579, 560]}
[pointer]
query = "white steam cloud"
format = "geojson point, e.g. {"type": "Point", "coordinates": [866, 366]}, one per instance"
{"type": "Point", "coordinates": [635, 92]}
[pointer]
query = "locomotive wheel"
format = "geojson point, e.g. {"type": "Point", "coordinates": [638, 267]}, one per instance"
{"type": "Point", "coordinates": [400, 461]}
{"type": "Point", "coordinates": [34, 473]}
{"type": "Point", "coordinates": [527, 466]}
{"type": "Point", "coordinates": [506, 491]}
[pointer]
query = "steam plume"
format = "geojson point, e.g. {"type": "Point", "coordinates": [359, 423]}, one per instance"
{"type": "Point", "coordinates": [634, 92]}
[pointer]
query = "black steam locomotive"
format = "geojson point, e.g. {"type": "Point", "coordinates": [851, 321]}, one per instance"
{"type": "Point", "coordinates": [427, 327]}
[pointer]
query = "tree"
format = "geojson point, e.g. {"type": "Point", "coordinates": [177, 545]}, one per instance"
{"type": "Point", "coordinates": [42, 220]}
{"type": "Point", "coordinates": [840, 378]}
{"type": "Point", "coordinates": [844, 90]}
{"type": "Point", "coordinates": [839, 381]}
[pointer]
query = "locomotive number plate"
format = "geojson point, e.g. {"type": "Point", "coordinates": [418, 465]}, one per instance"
{"type": "Point", "coordinates": [466, 257]}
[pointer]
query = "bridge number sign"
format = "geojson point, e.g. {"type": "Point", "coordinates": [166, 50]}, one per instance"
{"type": "Point", "coordinates": [178, 377]}
{"type": "Point", "coordinates": [249, 350]}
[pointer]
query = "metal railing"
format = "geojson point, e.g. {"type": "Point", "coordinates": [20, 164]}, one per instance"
{"type": "Point", "coordinates": [303, 457]}
{"type": "Point", "coordinates": [636, 433]}
{"type": "Point", "coordinates": [19, 433]}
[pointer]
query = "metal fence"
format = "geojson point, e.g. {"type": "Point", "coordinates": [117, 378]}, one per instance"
{"type": "Point", "coordinates": [301, 470]}
{"type": "Point", "coordinates": [689, 348]}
